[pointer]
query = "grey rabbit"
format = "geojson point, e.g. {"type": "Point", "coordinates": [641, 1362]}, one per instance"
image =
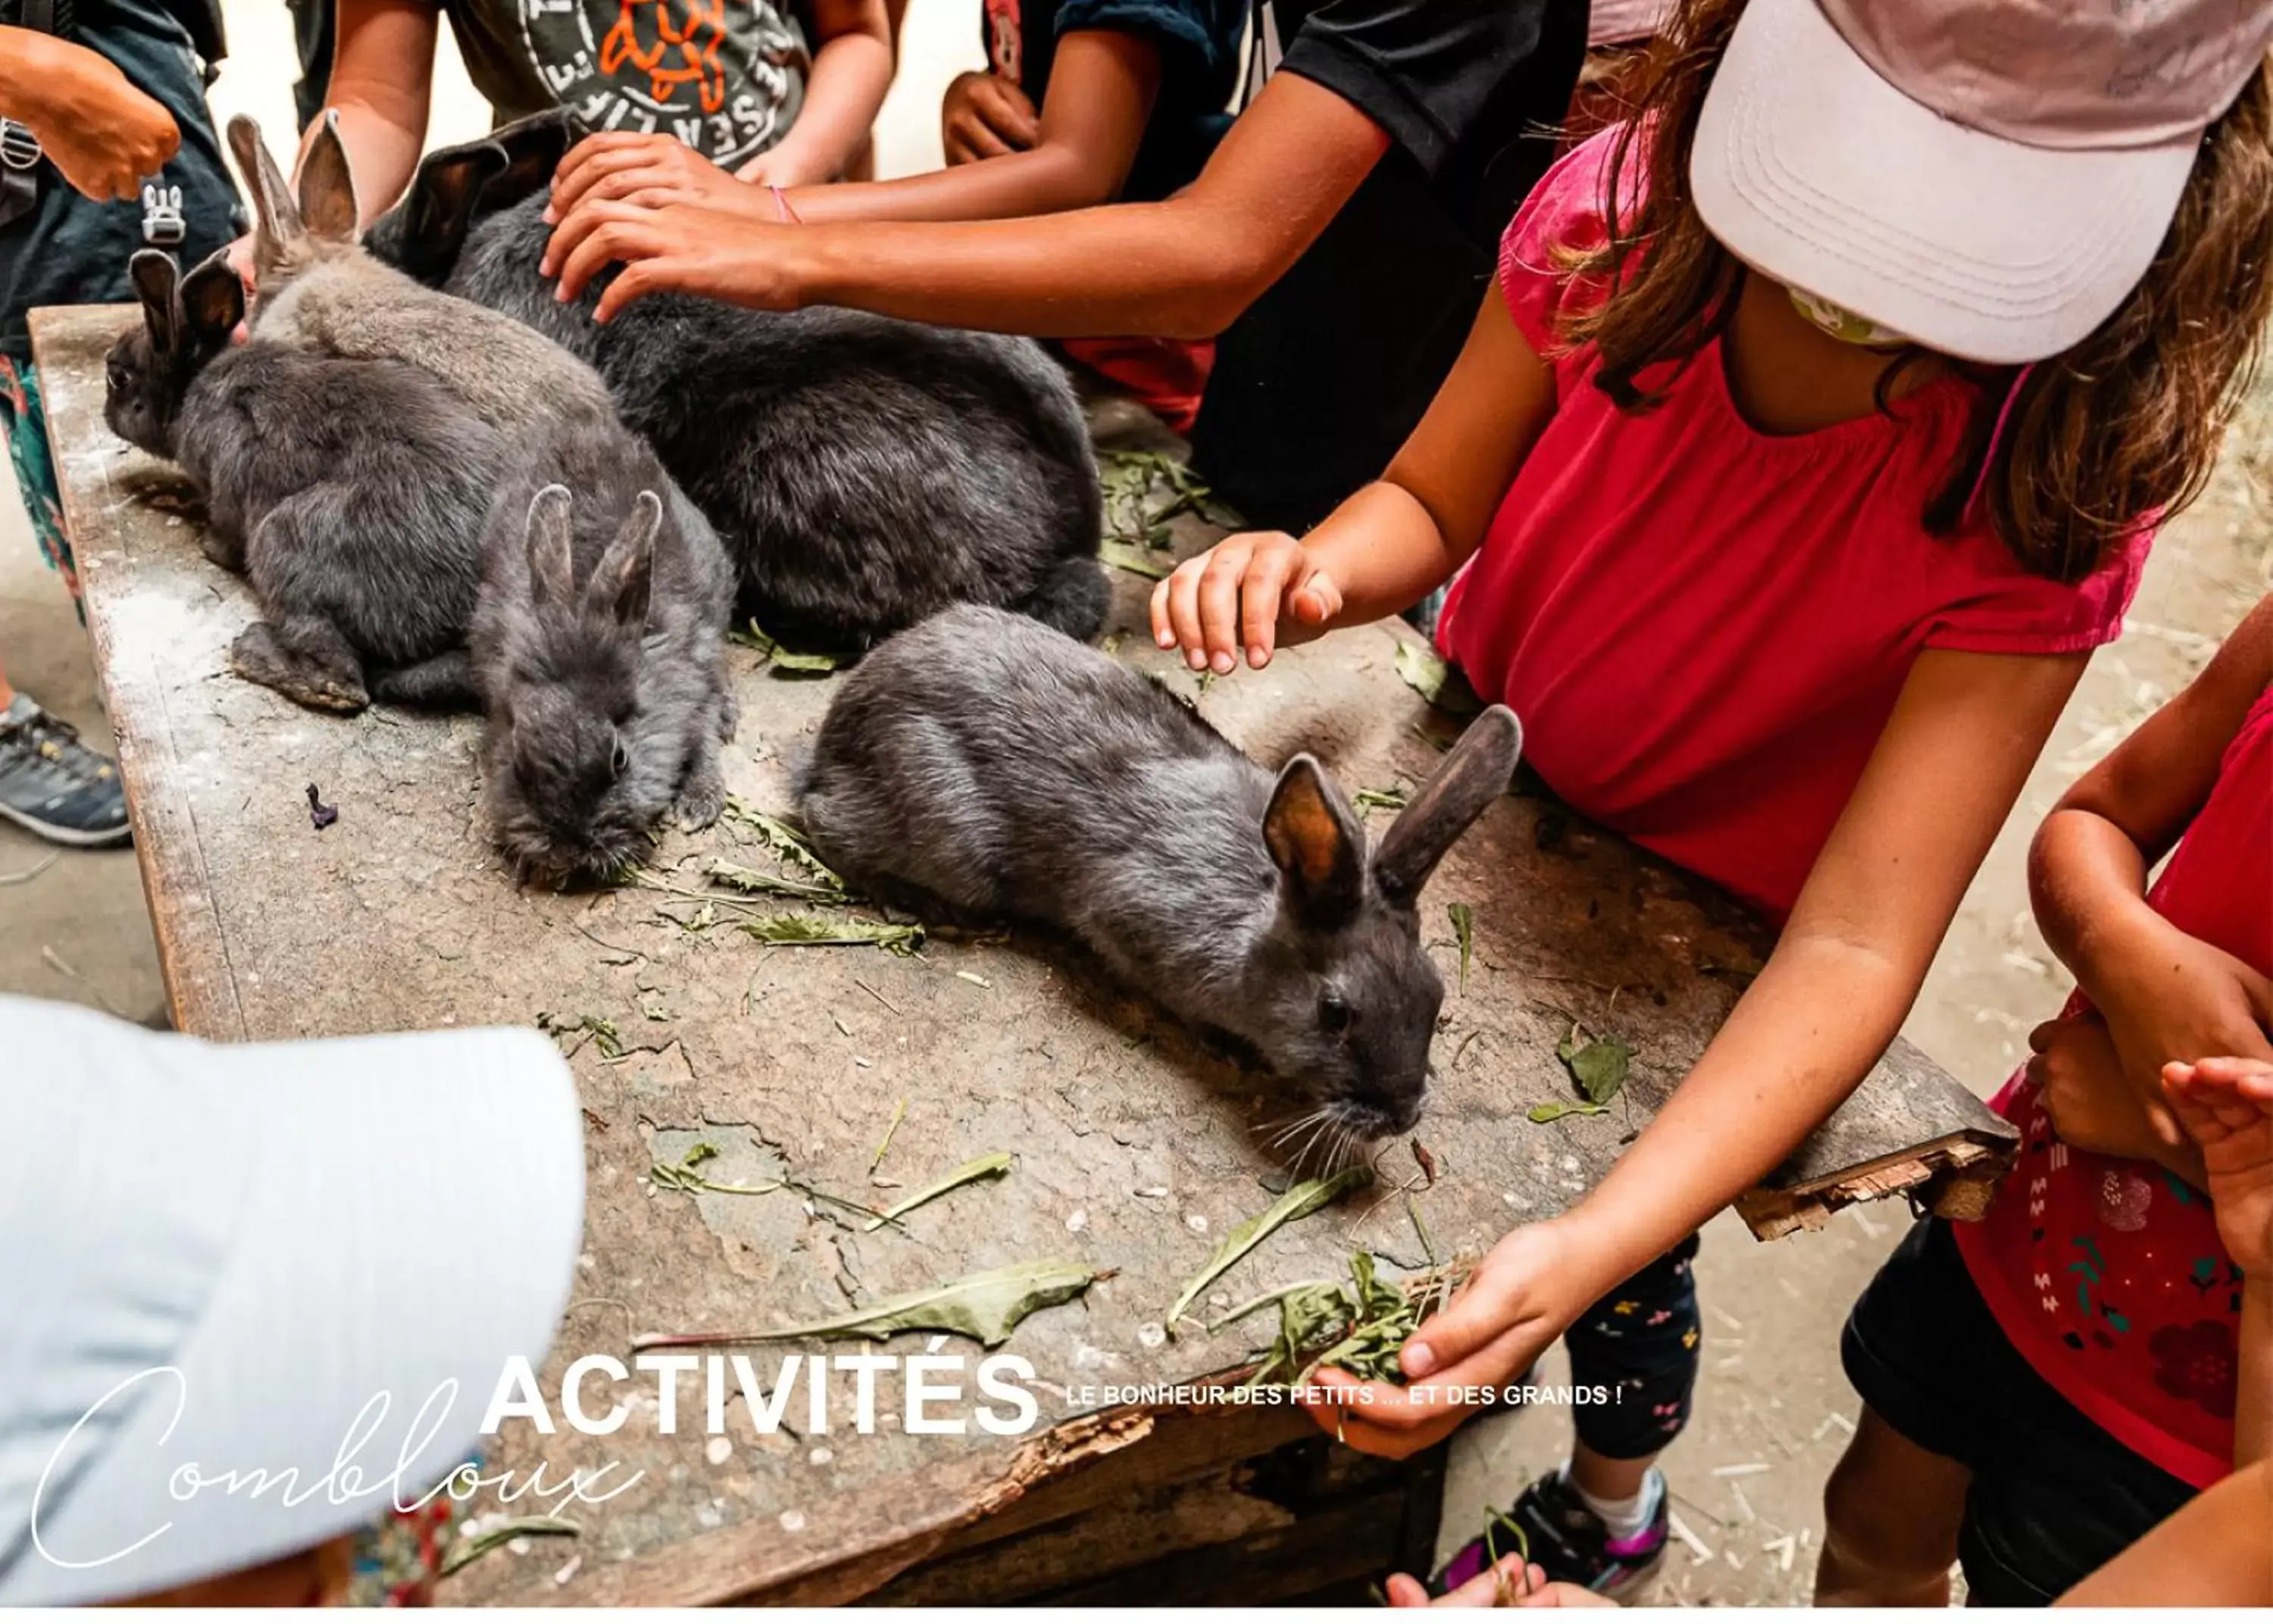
{"type": "Point", "coordinates": [318, 290]}
{"type": "Point", "coordinates": [350, 494]}
{"type": "Point", "coordinates": [865, 472]}
{"type": "Point", "coordinates": [598, 646]}
{"type": "Point", "coordinates": [982, 767]}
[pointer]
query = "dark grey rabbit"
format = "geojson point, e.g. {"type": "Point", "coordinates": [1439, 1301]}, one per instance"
{"type": "Point", "coordinates": [598, 647]}
{"type": "Point", "coordinates": [986, 768]}
{"type": "Point", "coordinates": [865, 472]}
{"type": "Point", "coordinates": [350, 494]}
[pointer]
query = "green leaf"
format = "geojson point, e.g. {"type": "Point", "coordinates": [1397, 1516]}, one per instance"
{"type": "Point", "coordinates": [1299, 1201]}
{"type": "Point", "coordinates": [605, 1038]}
{"type": "Point", "coordinates": [754, 638]}
{"type": "Point", "coordinates": [1463, 926]}
{"type": "Point", "coordinates": [489, 1540]}
{"type": "Point", "coordinates": [1425, 672]}
{"type": "Point", "coordinates": [788, 662]}
{"type": "Point", "coordinates": [985, 1308]}
{"type": "Point", "coordinates": [1598, 1066]}
{"type": "Point", "coordinates": [785, 838]}
{"type": "Point", "coordinates": [1554, 1110]}
{"type": "Point", "coordinates": [812, 931]}
{"type": "Point", "coordinates": [971, 1172]}
{"type": "Point", "coordinates": [756, 881]}
{"type": "Point", "coordinates": [1389, 800]}
{"type": "Point", "coordinates": [1136, 560]}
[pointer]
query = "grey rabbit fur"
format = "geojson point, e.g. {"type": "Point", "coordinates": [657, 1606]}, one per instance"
{"type": "Point", "coordinates": [598, 646]}
{"type": "Point", "coordinates": [318, 290]}
{"type": "Point", "coordinates": [865, 472]}
{"type": "Point", "coordinates": [981, 767]}
{"type": "Point", "coordinates": [350, 494]}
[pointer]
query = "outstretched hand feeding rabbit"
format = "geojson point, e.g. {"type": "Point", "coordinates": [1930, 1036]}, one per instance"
{"type": "Point", "coordinates": [986, 768]}
{"type": "Point", "coordinates": [597, 647]}
{"type": "Point", "coordinates": [864, 472]}
{"type": "Point", "coordinates": [318, 290]}
{"type": "Point", "coordinates": [350, 493]}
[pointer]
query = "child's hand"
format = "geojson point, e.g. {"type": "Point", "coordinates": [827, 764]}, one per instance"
{"type": "Point", "coordinates": [104, 137]}
{"type": "Point", "coordinates": [2081, 1083]}
{"type": "Point", "coordinates": [986, 115]}
{"type": "Point", "coordinates": [2175, 997]}
{"type": "Point", "coordinates": [674, 249]}
{"type": "Point", "coordinates": [648, 171]}
{"type": "Point", "coordinates": [2227, 1105]}
{"type": "Point", "coordinates": [1525, 1294]}
{"type": "Point", "coordinates": [1256, 591]}
{"type": "Point", "coordinates": [1507, 1583]}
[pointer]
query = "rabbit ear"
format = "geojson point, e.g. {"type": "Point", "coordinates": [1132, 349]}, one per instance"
{"type": "Point", "coordinates": [620, 585]}
{"type": "Point", "coordinates": [213, 303]}
{"type": "Point", "coordinates": [276, 217]}
{"type": "Point", "coordinates": [1317, 842]}
{"type": "Point", "coordinates": [1471, 778]}
{"type": "Point", "coordinates": [327, 200]}
{"type": "Point", "coordinates": [155, 278]}
{"type": "Point", "coordinates": [533, 149]}
{"type": "Point", "coordinates": [552, 561]}
{"type": "Point", "coordinates": [438, 209]}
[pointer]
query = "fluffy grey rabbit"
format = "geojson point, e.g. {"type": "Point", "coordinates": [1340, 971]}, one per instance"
{"type": "Point", "coordinates": [864, 472]}
{"type": "Point", "coordinates": [350, 494]}
{"type": "Point", "coordinates": [598, 650]}
{"type": "Point", "coordinates": [982, 767]}
{"type": "Point", "coordinates": [318, 290]}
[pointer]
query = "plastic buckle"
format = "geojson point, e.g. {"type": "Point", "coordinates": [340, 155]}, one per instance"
{"type": "Point", "coordinates": [162, 225]}
{"type": "Point", "coordinates": [19, 148]}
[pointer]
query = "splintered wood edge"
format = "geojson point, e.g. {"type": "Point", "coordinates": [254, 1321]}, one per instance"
{"type": "Point", "coordinates": [1964, 1168]}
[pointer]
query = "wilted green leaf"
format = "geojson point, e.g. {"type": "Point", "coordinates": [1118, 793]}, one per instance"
{"type": "Point", "coordinates": [785, 838]}
{"type": "Point", "coordinates": [489, 1540]}
{"type": "Point", "coordinates": [789, 663]}
{"type": "Point", "coordinates": [1299, 1201]}
{"type": "Point", "coordinates": [1463, 926]}
{"type": "Point", "coordinates": [812, 931]}
{"type": "Point", "coordinates": [1425, 672]}
{"type": "Point", "coordinates": [1389, 800]}
{"type": "Point", "coordinates": [605, 1038]}
{"type": "Point", "coordinates": [971, 1172]}
{"type": "Point", "coordinates": [985, 1308]}
{"type": "Point", "coordinates": [1598, 1066]}
{"type": "Point", "coordinates": [1137, 560]}
{"type": "Point", "coordinates": [756, 638]}
{"type": "Point", "coordinates": [1554, 1110]}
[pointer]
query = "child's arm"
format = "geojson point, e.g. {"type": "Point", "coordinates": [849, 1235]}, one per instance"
{"type": "Point", "coordinates": [984, 115]}
{"type": "Point", "coordinates": [1103, 83]}
{"type": "Point", "coordinates": [851, 71]}
{"type": "Point", "coordinates": [382, 87]}
{"type": "Point", "coordinates": [2164, 995]}
{"type": "Point", "coordinates": [1944, 774]}
{"type": "Point", "coordinates": [1181, 268]}
{"type": "Point", "coordinates": [2209, 1553]}
{"type": "Point", "coordinates": [1394, 541]}
{"type": "Point", "coordinates": [2226, 1105]}
{"type": "Point", "coordinates": [104, 137]}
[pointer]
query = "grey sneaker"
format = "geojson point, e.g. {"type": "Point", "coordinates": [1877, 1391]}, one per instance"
{"type": "Point", "coordinates": [54, 785]}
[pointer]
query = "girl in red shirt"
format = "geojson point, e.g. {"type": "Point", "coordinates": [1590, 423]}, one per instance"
{"type": "Point", "coordinates": [1812, 435]}
{"type": "Point", "coordinates": [2043, 1387]}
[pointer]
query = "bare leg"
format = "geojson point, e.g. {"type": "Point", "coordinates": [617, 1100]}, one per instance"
{"type": "Point", "coordinates": [1892, 1514]}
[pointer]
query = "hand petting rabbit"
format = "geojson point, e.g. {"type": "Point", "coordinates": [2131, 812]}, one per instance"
{"type": "Point", "coordinates": [982, 767]}
{"type": "Point", "coordinates": [350, 493]}
{"type": "Point", "coordinates": [598, 650]}
{"type": "Point", "coordinates": [864, 473]}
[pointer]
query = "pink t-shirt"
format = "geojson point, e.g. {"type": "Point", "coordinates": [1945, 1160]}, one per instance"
{"type": "Point", "coordinates": [2106, 1273]}
{"type": "Point", "coordinates": [1704, 627]}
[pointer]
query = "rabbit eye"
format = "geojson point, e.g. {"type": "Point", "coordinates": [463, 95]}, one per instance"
{"type": "Point", "coordinates": [1334, 1011]}
{"type": "Point", "coordinates": [619, 759]}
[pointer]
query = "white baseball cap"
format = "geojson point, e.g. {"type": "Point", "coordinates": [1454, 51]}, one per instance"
{"type": "Point", "coordinates": [1989, 177]}
{"type": "Point", "coordinates": [216, 1257]}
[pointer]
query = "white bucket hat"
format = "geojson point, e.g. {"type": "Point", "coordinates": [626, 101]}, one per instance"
{"type": "Point", "coordinates": [217, 1256]}
{"type": "Point", "coordinates": [1990, 178]}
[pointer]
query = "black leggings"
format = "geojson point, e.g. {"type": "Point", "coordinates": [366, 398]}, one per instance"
{"type": "Point", "coordinates": [1640, 1342]}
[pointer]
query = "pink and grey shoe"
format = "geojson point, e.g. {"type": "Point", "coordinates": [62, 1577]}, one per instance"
{"type": "Point", "coordinates": [1554, 1525]}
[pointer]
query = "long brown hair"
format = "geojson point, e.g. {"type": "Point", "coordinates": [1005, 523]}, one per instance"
{"type": "Point", "coordinates": [2121, 428]}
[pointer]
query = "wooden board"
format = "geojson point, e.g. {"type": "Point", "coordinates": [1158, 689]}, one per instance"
{"type": "Point", "coordinates": [1136, 1151]}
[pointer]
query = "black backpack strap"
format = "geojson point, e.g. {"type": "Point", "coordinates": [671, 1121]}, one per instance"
{"type": "Point", "coordinates": [19, 148]}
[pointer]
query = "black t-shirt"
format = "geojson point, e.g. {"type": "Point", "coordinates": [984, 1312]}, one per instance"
{"type": "Point", "coordinates": [69, 250]}
{"type": "Point", "coordinates": [1319, 384]}
{"type": "Point", "coordinates": [1198, 42]}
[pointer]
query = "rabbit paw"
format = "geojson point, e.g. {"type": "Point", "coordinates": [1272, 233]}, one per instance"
{"type": "Point", "coordinates": [700, 801]}
{"type": "Point", "coordinates": [260, 655]}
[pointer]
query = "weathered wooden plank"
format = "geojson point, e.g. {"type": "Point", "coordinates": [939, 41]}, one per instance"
{"type": "Point", "coordinates": [1137, 1150]}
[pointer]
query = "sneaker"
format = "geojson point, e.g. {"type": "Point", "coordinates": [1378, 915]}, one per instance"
{"type": "Point", "coordinates": [1554, 1525]}
{"type": "Point", "coordinates": [54, 785]}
